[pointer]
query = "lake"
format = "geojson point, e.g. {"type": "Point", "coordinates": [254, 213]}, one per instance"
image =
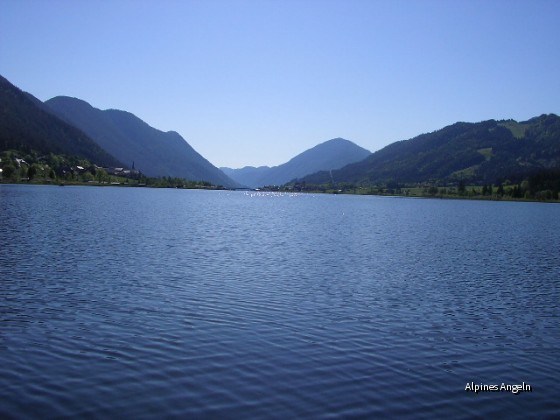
{"type": "Point", "coordinates": [148, 303]}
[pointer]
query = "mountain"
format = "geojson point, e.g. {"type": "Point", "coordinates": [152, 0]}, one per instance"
{"type": "Point", "coordinates": [155, 153]}
{"type": "Point", "coordinates": [248, 176]}
{"type": "Point", "coordinates": [487, 151]}
{"type": "Point", "coordinates": [332, 154]}
{"type": "Point", "coordinates": [26, 124]}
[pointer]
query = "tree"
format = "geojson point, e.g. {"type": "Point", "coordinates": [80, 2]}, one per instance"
{"type": "Point", "coordinates": [101, 176]}
{"type": "Point", "coordinates": [432, 190]}
{"type": "Point", "coordinates": [9, 171]}
{"type": "Point", "coordinates": [31, 172]}
{"type": "Point", "coordinates": [461, 187]}
{"type": "Point", "coordinates": [500, 190]}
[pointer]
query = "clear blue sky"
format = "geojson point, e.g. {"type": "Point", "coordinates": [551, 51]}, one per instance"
{"type": "Point", "coordinates": [257, 82]}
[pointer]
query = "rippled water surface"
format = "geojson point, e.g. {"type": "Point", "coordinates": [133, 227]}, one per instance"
{"type": "Point", "coordinates": [140, 303]}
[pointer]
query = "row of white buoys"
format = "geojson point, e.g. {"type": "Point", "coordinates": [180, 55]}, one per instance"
{"type": "Point", "coordinates": [275, 194]}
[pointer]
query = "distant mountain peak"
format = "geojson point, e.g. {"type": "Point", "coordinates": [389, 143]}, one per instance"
{"type": "Point", "coordinates": [338, 139]}
{"type": "Point", "coordinates": [62, 100]}
{"type": "Point", "coordinates": [331, 154]}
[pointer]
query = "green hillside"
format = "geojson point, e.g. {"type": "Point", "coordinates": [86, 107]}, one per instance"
{"type": "Point", "coordinates": [474, 153]}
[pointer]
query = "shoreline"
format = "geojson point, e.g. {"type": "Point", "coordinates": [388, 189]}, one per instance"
{"type": "Point", "coordinates": [214, 188]}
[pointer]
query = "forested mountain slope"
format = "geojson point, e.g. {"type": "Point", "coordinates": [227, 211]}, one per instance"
{"type": "Point", "coordinates": [26, 125]}
{"type": "Point", "coordinates": [155, 153]}
{"type": "Point", "coordinates": [488, 151]}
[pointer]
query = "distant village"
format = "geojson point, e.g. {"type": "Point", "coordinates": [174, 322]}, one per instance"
{"type": "Point", "coordinates": [28, 171]}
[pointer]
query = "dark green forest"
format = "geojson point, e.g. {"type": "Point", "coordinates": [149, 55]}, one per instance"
{"type": "Point", "coordinates": [486, 152]}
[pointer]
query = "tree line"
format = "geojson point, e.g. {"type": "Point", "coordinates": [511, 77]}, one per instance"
{"type": "Point", "coordinates": [542, 185]}
{"type": "Point", "coordinates": [33, 167]}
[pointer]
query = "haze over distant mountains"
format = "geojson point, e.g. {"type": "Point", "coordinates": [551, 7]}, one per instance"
{"type": "Point", "coordinates": [332, 154]}
{"type": "Point", "coordinates": [155, 153]}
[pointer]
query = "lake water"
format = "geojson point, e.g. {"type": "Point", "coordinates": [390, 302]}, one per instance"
{"type": "Point", "coordinates": [145, 303]}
